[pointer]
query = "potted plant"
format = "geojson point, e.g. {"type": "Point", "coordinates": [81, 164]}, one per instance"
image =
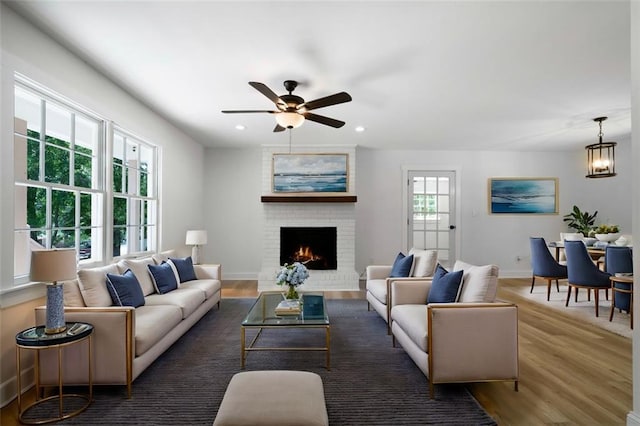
{"type": "Point", "coordinates": [580, 221]}
{"type": "Point", "coordinates": [607, 233]}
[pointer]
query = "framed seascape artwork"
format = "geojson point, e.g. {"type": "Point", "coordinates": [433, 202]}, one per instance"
{"type": "Point", "coordinates": [310, 173]}
{"type": "Point", "coordinates": [523, 195]}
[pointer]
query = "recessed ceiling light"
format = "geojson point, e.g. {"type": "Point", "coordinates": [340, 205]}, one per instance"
{"type": "Point", "coordinates": [359, 128]}
{"type": "Point", "coordinates": [240, 127]}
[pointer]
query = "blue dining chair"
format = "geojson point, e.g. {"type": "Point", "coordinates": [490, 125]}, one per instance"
{"type": "Point", "coordinates": [583, 273]}
{"type": "Point", "coordinates": [617, 260]}
{"type": "Point", "coordinates": [544, 266]}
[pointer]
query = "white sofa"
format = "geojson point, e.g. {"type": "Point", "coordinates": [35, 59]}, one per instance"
{"type": "Point", "coordinates": [127, 340]}
{"type": "Point", "coordinates": [378, 280]}
{"type": "Point", "coordinates": [472, 340]}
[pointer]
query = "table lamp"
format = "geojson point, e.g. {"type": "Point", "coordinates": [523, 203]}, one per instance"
{"type": "Point", "coordinates": [52, 266]}
{"type": "Point", "coordinates": [196, 238]}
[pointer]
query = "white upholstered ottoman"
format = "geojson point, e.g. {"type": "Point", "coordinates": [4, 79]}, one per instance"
{"type": "Point", "coordinates": [273, 398]}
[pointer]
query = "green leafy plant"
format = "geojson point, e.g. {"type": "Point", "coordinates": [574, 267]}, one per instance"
{"type": "Point", "coordinates": [580, 221]}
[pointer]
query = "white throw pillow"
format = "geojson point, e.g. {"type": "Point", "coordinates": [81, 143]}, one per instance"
{"type": "Point", "coordinates": [479, 283]}
{"type": "Point", "coordinates": [140, 270]}
{"type": "Point", "coordinates": [424, 262]}
{"type": "Point", "coordinates": [93, 285]}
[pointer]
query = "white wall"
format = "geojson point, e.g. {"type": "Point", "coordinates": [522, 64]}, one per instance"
{"type": "Point", "coordinates": [233, 211]}
{"type": "Point", "coordinates": [28, 51]}
{"type": "Point", "coordinates": [232, 182]}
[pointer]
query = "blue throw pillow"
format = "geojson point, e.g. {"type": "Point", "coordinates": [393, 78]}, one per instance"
{"type": "Point", "coordinates": [164, 280]}
{"type": "Point", "coordinates": [185, 269]}
{"type": "Point", "coordinates": [445, 285]}
{"type": "Point", "coordinates": [125, 289]}
{"type": "Point", "coordinates": [402, 266]}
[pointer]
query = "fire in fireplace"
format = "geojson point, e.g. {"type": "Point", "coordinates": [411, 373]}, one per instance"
{"type": "Point", "coordinates": [313, 246]}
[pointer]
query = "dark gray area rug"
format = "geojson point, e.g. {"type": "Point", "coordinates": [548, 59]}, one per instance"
{"type": "Point", "coordinates": [370, 382]}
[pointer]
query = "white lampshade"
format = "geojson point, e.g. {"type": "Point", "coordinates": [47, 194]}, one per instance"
{"type": "Point", "coordinates": [196, 237]}
{"type": "Point", "coordinates": [289, 120]}
{"type": "Point", "coordinates": [53, 265]}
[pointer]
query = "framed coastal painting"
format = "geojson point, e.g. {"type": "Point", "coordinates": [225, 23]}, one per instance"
{"type": "Point", "coordinates": [310, 173]}
{"type": "Point", "coordinates": [523, 195]}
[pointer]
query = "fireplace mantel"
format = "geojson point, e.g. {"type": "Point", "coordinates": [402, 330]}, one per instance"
{"type": "Point", "coordinates": [309, 198]}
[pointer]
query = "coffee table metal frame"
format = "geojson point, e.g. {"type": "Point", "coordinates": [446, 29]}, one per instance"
{"type": "Point", "coordinates": [36, 340]}
{"type": "Point", "coordinates": [264, 316]}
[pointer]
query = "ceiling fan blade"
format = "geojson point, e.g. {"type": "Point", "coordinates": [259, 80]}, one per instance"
{"type": "Point", "coordinates": [324, 120]}
{"type": "Point", "coordinates": [279, 128]}
{"type": "Point", "coordinates": [262, 88]}
{"type": "Point", "coordinates": [249, 111]}
{"type": "Point", "coordinates": [337, 98]}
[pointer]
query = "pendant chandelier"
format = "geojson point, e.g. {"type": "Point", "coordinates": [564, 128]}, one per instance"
{"type": "Point", "coordinates": [601, 156]}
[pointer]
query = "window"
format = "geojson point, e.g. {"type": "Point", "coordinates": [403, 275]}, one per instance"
{"type": "Point", "coordinates": [134, 199]}
{"type": "Point", "coordinates": [58, 194]}
{"type": "Point", "coordinates": [61, 195]}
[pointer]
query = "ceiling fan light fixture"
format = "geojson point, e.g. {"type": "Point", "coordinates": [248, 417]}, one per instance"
{"type": "Point", "coordinates": [289, 120]}
{"type": "Point", "coordinates": [601, 156]}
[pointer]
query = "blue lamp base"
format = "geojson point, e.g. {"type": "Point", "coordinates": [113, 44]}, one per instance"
{"type": "Point", "coordinates": [55, 309]}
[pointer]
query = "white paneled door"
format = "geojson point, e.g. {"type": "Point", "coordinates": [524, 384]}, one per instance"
{"type": "Point", "coordinates": [431, 212]}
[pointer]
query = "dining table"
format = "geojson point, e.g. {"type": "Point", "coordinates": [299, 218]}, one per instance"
{"type": "Point", "coordinates": [595, 252]}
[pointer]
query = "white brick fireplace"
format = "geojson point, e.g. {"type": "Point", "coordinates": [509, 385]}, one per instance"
{"type": "Point", "coordinates": [309, 214]}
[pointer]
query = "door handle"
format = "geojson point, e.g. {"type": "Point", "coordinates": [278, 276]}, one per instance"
{"type": "Point", "coordinates": [452, 227]}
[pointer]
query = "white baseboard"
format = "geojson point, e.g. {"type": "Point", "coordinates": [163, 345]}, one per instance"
{"type": "Point", "coordinates": [239, 275]}
{"type": "Point", "coordinates": [633, 418]}
{"type": "Point", "coordinates": [8, 388]}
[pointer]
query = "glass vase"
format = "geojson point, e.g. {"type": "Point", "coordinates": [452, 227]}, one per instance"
{"type": "Point", "coordinates": [292, 293]}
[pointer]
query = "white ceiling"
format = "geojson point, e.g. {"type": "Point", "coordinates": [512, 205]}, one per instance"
{"type": "Point", "coordinates": [423, 75]}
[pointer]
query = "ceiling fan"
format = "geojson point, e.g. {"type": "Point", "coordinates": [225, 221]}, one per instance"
{"type": "Point", "coordinates": [292, 110]}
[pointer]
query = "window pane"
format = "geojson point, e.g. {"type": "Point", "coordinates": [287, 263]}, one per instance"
{"type": "Point", "coordinates": [119, 241]}
{"type": "Point", "coordinates": [27, 108]}
{"type": "Point", "coordinates": [58, 121]}
{"type": "Point", "coordinates": [119, 211]}
{"type": "Point", "coordinates": [118, 147]}
{"type": "Point", "coordinates": [87, 135]}
{"type": "Point", "coordinates": [33, 159]}
{"type": "Point", "coordinates": [36, 207]}
{"type": "Point", "coordinates": [144, 182]}
{"type": "Point", "coordinates": [83, 166]}
{"type": "Point", "coordinates": [117, 178]}
{"type": "Point", "coordinates": [146, 158]}
{"type": "Point", "coordinates": [63, 209]}
{"type": "Point", "coordinates": [56, 165]}
{"type": "Point", "coordinates": [40, 237]}
{"type": "Point", "coordinates": [63, 238]}
{"type": "Point", "coordinates": [132, 154]}
{"type": "Point", "coordinates": [85, 209]}
{"type": "Point", "coordinates": [85, 244]}
{"type": "Point", "coordinates": [143, 234]}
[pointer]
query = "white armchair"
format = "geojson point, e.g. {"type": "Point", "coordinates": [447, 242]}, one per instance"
{"type": "Point", "coordinates": [472, 340]}
{"type": "Point", "coordinates": [379, 282]}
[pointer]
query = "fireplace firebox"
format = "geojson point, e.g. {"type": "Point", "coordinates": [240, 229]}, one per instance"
{"type": "Point", "coordinates": [315, 247]}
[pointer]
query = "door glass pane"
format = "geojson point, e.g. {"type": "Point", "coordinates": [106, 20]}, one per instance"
{"type": "Point", "coordinates": [430, 240]}
{"type": "Point", "coordinates": [431, 187]}
{"type": "Point", "coordinates": [443, 185]}
{"type": "Point", "coordinates": [443, 203]}
{"type": "Point", "coordinates": [418, 185]}
{"type": "Point", "coordinates": [443, 221]}
{"type": "Point", "coordinates": [418, 240]}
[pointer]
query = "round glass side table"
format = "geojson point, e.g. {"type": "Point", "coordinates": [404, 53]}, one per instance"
{"type": "Point", "coordinates": [35, 339]}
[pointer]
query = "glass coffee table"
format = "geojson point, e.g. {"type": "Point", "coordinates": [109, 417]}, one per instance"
{"type": "Point", "coordinates": [313, 314]}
